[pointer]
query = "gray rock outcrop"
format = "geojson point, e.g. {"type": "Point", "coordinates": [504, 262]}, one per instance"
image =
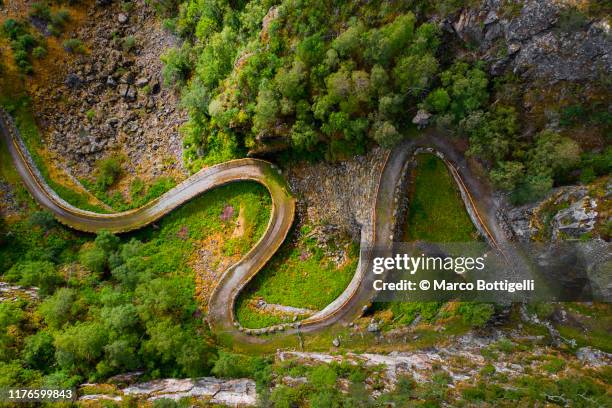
{"type": "Point", "coordinates": [235, 393]}
{"type": "Point", "coordinates": [537, 39]}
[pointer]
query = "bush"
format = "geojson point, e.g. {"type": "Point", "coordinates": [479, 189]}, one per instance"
{"type": "Point", "coordinates": [74, 45]}
{"type": "Point", "coordinates": [39, 52]}
{"type": "Point", "coordinates": [129, 43]}
{"type": "Point", "coordinates": [41, 10]}
{"type": "Point", "coordinates": [61, 308]}
{"type": "Point", "coordinates": [476, 314]}
{"type": "Point", "coordinates": [230, 365]}
{"type": "Point", "coordinates": [177, 65]}
{"type": "Point", "coordinates": [42, 219]}
{"type": "Point", "coordinates": [507, 175]}
{"type": "Point", "coordinates": [108, 170]}
{"type": "Point", "coordinates": [165, 7]}
{"type": "Point", "coordinates": [39, 352]}
{"type": "Point", "coordinates": [94, 259]}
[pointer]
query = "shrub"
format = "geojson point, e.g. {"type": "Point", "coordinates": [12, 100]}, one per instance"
{"type": "Point", "coordinates": [41, 10]}
{"type": "Point", "coordinates": [42, 219]}
{"type": "Point", "coordinates": [476, 314]}
{"type": "Point", "coordinates": [165, 7]}
{"type": "Point", "coordinates": [129, 43]}
{"type": "Point", "coordinates": [108, 170]}
{"type": "Point", "coordinates": [74, 45]}
{"type": "Point", "coordinates": [507, 175]}
{"type": "Point", "coordinates": [177, 65]}
{"type": "Point", "coordinates": [39, 352]}
{"type": "Point", "coordinates": [93, 259]}
{"type": "Point", "coordinates": [39, 52]}
{"type": "Point", "coordinates": [230, 365]}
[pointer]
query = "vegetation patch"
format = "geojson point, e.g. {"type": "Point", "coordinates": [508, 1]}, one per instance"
{"type": "Point", "coordinates": [301, 274]}
{"type": "Point", "coordinates": [436, 212]}
{"type": "Point", "coordinates": [110, 305]}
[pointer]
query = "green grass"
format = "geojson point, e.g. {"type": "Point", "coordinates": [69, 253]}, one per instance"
{"type": "Point", "coordinates": [299, 275]}
{"type": "Point", "coordinates": [7, 170]}
{"type": "Point", "coordinates": [140, 193]}
{"type": "Point", "coordinates": [180, 230]}
{"type": "Point", "coordinates": [18, 107]}
{"type": "Point", "coordinates": [436, 212]}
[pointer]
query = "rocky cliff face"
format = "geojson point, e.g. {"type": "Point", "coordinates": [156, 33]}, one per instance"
{"type": "Point", "coordinates": [567, 213]}
{"type": "Point", "coordinates": [537, 39]}
{"type": "Point", "coordinates": [111, 100]}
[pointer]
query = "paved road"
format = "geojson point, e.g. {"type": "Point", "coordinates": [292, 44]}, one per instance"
{"type": "Point", "coordinates": [348, 306]}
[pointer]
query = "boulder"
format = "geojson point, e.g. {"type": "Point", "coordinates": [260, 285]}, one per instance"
{"type": "Point", "coordinates": [142, 82]}
{"type": "Point", "coordinates": [73, 81]}
{"type": "Point", "coordinates": [576, 220]}
{"type": "Point", "coordinates": [594, 357]}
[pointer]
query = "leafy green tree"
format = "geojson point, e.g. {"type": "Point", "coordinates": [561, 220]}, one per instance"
{"type": "Point", "coordinates": [507, 174]}
{"type": "Point", "coordinates": [336, 124]}
{"type": "Point", "coordinates": [165, 340]}
{"type": "Point", "coordinates": [42, 219]}
{"type": "Point", "coordinates": [61, 308]}
{"type": "Point", "coordinates": [349, 41]}
{"type": "Point", "coordinates": [386, 134]}
{"type": "Point", "coordinates": [491, 134]}
{"type": "Point", "coordinates": [11, 319]}
{"type": "Point", "coordinates": [267, 109]}
{"type": "Point", "coordinates": [534, 187]}
{"type": "Point", "coordinates": [108, 170]}
{"type": "Point", "coordinates": [467, 87]}
{"type": "Point", "coordinates": [196, 356]}
{"type": "Point", "coordinates": [285, 397]}
{"type": "Point", "coordinates": [120, 355]}
{"type": "Point", "coordinates": [216, 59]}
{"type": "Point", "coordinates": [426, 39]}
{"type": "Point", "coordinates": [94, 259]}
{"type": "Point", "coordinates": [39, 352]}
{"type": "Point", "coordinates": [290, 83]}
{"type": "Point", "coordinates": [379, 79]}
{"type": "Point", "coordinates": [303, 136]}
{"type": "Point", "coordinates": [553, 154]}
{"type": "Point", "coordinates": [339, 85]}
{"type": "Point", "coordinates": [120, 319]}
{"type": "Point", "coordinates": [107, 241]}
{"type": "Point", "coordinates": [414, 73]}
{"type": "Point", "coordinates": [437, 101]}
{"type": "Point", "coordinates": [11, 374]}
{"type": "Point", "coordinates": [390, 106]}
{"type": "Point", "coordinates": [360, 81]}
{"type": "Point", "coordinates": [230, 365]}
{"type": "Point", "coordinates": [311, 49]}
{"type": "Point", "coordinates": [78, 347]}
{"type": "Point", "coordinates": [165, 297]}
{"type": "Point", "coordinates": [385, 43]}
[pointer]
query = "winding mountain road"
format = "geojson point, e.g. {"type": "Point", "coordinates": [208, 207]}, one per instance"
{"type": "Point", "coordinates": [377, 236]}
